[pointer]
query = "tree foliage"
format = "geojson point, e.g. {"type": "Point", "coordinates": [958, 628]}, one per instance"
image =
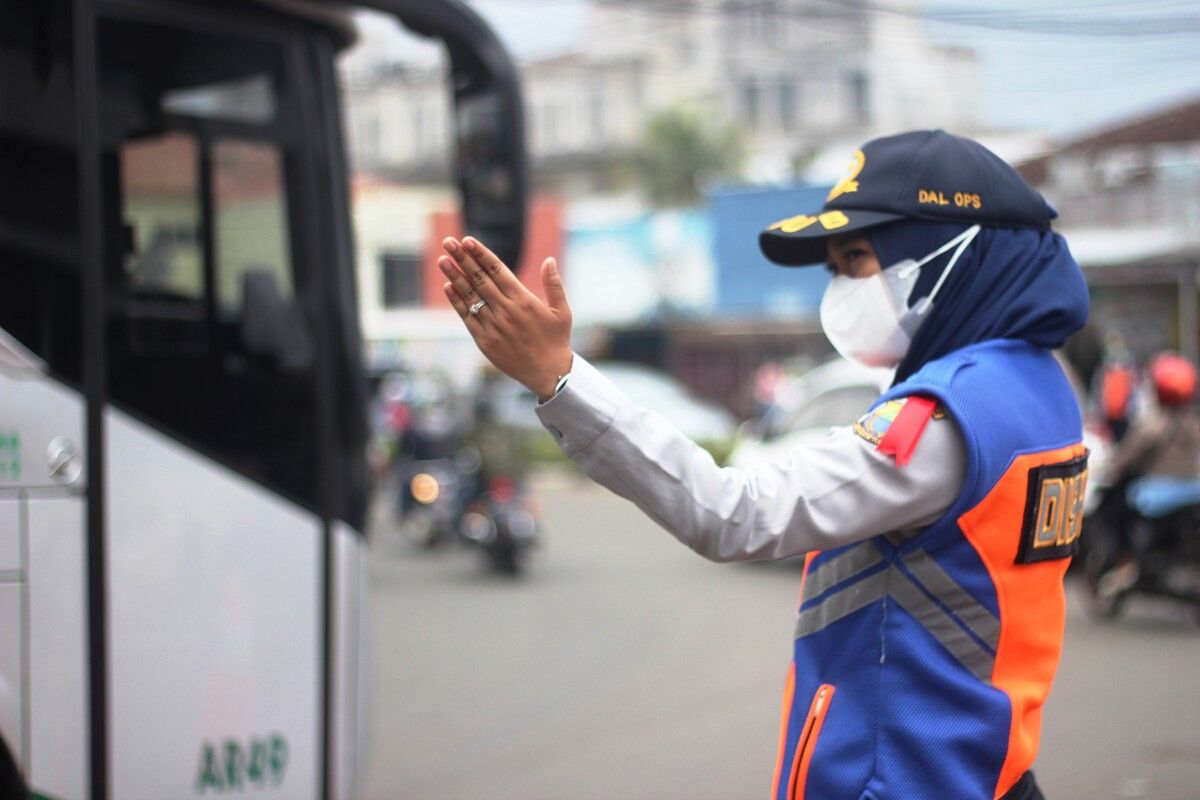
{"type": "Point", "coordinates": [682, 152]}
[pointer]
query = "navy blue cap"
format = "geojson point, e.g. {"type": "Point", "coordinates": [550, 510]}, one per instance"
{"type": "Point", "coordinates": [930, 175]}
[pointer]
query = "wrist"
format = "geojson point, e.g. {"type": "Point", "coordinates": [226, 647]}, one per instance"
{"type": "Point", "coordinates": [549, 385]}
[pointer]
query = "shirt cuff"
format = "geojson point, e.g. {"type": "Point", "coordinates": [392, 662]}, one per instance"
{"type": "Point", "coordinates": [583, 410]}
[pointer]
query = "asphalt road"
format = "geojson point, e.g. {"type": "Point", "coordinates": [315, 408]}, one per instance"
{"type": "Point", "coordinates": [623, 666]}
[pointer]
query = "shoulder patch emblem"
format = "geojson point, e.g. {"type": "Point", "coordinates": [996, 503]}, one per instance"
{"type": "Point", "coordinates": [875, 423]}
{"type": "Point", "coordinates": [1053, 511]}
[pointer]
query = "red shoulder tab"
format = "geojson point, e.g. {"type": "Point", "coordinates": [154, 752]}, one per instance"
{"type": "Point", "coordinates": [904, 433]}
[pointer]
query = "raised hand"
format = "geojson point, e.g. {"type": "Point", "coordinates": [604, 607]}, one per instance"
{"type": "Point", "coordinates": [527, 339]}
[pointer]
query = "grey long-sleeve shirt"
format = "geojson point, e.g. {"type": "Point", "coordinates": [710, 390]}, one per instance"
{"type": "Point", "coordinates": [823, 495]}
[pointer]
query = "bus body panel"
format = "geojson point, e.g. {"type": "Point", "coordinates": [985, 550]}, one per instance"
{"type": "Point", "coordinates": [215, 609]}
{"type": "Point", "coordinates": [43, 667]}
{"type": "Point", "coordinates": [36, 413]}
{"type": "Point", "coordinates": [58, 690]}
{"type": "Point", "coordinates": [10, 540]}
{"type": "Point", "coordinates": [351, 679]}
{"type": "Point", "coordinates": [12, 668]}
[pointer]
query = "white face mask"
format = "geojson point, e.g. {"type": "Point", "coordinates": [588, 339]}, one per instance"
{"type": "Point", "coordinates": [868, 320]}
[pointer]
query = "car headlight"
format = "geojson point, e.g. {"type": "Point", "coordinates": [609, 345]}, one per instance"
{"type": "Point", "coordinates": [424, 488]}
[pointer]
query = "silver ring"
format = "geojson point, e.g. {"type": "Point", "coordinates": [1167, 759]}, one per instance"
{"type": "Point", "coordinates": [474, 309]}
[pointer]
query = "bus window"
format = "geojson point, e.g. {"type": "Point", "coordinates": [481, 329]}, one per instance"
{"type": "Point", "coordinates": [251, 219]}
{"type": "Point", "coordinates": [250, 99]}
{"type": "Point", "coordinates": [162, 214]}
{"type": "Point", "coordinates": [39, 224]}
{"type": "Point", "coordinates": [208, 339]}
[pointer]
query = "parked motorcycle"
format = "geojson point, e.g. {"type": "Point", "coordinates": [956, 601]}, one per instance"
{"type": "Point", "coordinates": [1128, 554]}
{"type": "Point", "coordinates": [502, 522]}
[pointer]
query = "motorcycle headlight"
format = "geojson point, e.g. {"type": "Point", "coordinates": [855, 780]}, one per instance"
{"type": "Point", "coordinates": [424, 488]}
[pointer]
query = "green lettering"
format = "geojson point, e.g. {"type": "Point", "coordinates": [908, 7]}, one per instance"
{"type": "Point", "coordinates": [278, 758]}
{"type": "Point", "coordinates": [209, 777]}
{"type": "Point", "coordinates": [256, 770]}
{"type": "Point", "coordinates": [233, 764]}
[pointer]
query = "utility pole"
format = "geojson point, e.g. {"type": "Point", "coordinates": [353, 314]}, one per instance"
{"type": "Point", "coordinates": [1189, 336]}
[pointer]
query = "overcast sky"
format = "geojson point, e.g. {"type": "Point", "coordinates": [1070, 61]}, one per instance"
{"type": "Point", "coordinates": [1062, 82]}
{"type": "Point", "coordinates": [1063, 66]}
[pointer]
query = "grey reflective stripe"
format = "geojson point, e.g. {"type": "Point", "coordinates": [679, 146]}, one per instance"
{"type": "Point", "coordinates": [845, 602]}
{"type": "Point", "coordinates": [942, 627]}
{"type": "Point", "coordinates": [969, 611]}
{"type": "Point", "coordinates": [950, 629]}
{"type": "Point", "coordinates": [823, 576]}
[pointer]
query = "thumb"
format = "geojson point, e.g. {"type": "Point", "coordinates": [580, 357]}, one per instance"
{"type": "Point", "coordinates": [556, 295]}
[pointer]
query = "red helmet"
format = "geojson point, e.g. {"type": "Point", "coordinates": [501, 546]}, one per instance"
{"type": "Point", "coordinates": [1174, 379]}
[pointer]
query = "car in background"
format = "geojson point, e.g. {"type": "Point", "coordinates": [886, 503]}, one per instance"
{"type": "Point", "coordinates": [831, 395]}
{"type": "Point", "coordinates": [837, 393]}
{"type": "Point", "coordinates": [510, 404]}
{"type": "Point", "coordinates": [699, 420]}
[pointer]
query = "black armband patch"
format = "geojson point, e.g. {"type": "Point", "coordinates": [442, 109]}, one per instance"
{"type": "Point", "coordinates": [1053, 511]}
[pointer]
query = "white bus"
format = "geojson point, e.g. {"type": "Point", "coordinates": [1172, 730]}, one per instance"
{"type": "Point", "coordinates": [182, 407]}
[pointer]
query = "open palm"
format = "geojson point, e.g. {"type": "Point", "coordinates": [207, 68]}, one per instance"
{"type": "Point", "coordinates": [527, 339]}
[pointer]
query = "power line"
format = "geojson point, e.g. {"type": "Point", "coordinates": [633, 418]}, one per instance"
{"type": "Point", "coordinates": [1062, 23]}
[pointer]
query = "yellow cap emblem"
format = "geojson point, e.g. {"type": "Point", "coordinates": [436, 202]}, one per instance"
{"type": "Point", "coordinates": [848, 183]}
{"type": "Point", "coordinates": [830, 220]}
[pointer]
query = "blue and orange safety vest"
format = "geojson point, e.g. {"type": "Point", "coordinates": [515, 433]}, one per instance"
{"type": "Point", "coordinates": [922, 662]}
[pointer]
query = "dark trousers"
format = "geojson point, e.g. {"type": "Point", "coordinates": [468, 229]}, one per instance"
{"type": "Point", "coordinates": [1024, 789]}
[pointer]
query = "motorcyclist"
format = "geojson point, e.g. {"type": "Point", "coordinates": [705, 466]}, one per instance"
{"type": "Point", "coordinates": [1117, 383]}
{"type": "Point", "coordinates": [434, 429]}
{"type": "Point", "coordinates": [1161, 451]}
{"type": "Point", "coordinates": [1154, 473]}
{"type": "Point", "coordinates": [500, 445]}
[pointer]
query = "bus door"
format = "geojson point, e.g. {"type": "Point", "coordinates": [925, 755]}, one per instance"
{"type": "Point", "coordinates": [215, 523]}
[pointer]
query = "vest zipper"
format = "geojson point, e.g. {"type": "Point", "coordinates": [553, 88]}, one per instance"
{"type": "Point", "coordinates": [808, 740]}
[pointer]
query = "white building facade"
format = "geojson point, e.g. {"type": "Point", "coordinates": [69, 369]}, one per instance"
{"type": "Point", "coordinates": [805, 82]}
{"type": "Point", "coordinates": [796, 76]}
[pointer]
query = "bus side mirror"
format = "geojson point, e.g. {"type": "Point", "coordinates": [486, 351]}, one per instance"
{"type": "Point", "coordinates": [490, 168]}
{"type": "Point", "coordinates": [489, 121]}
{"type": "Point", "coordinates": [271, 327]}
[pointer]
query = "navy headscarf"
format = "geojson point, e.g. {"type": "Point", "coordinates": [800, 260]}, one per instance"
{"type": "Point", "coordinates": [1010, 283]}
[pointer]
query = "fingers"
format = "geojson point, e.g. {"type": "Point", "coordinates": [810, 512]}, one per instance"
{"type": "Point", "coordinates": [501, 275]}
{"type": "Point", "coordinates": [455, 299]}
{"type": "Point", "coordinates": [480, 279]}
{"type": "Point", "coordinates": [556, 294]}
{"type": "Point", "coordinates": [457, 279]}
{"type": "Point", "coordinates": [460, 305]}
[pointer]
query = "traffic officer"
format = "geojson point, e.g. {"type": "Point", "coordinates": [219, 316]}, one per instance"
{"type": "Point", "coordinates": [937, 528]}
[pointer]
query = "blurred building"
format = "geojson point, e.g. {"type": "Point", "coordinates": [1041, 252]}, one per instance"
{"type": "Point", "coordinates": [757, 311]}
{"type": "Point", "coordinates": [794, 75]}
{"type": "Point", "coordinates": [405, 317]}
{"type": "Point", "coordinates": [629, 264]}
{"type": "Point", "coordinates": [1129, 199]}
{"type": "Point", "coordinates": [747, 284]}
{"type": "Point", "coordinates": [805, 81]}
